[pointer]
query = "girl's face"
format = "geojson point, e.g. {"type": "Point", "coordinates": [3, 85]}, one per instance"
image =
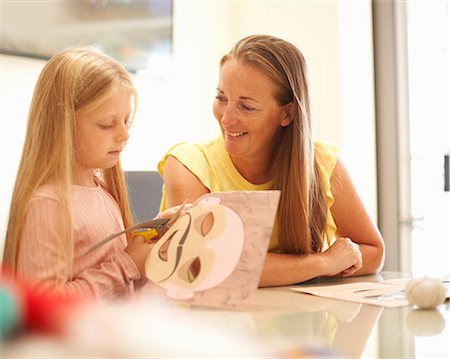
{"type": "Point", "coordinates": [247, 111]}
{"type": "Point", "coordinates": [102, 134]}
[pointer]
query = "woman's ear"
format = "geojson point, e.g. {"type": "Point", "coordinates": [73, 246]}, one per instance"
{"type": "Point", "coordinates": [287, 114]}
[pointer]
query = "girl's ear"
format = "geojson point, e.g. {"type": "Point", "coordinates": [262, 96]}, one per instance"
{"type": "Point", "coordinates": [287, 114]}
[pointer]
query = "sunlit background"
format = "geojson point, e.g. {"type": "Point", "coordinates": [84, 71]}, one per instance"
{"type": "Point", "coordinates": [176, 73]}
{"type": "Point", "coordinates": [429, 103]}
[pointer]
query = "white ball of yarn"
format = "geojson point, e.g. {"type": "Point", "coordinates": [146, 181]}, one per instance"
{"type": "Point", "coordinates": [427, 293]}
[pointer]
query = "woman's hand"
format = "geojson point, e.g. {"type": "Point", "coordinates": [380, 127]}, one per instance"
{"type": "Point", "coordinates": [343, 257]}
{"type": "Point", "coordinates": [170, 212]}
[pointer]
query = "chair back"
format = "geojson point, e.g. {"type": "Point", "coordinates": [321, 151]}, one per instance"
{"type": "Point", "coordinates": [144, 192]}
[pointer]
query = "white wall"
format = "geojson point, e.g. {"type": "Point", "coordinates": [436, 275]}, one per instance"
{"type": "Point", "coordinates": [312, 26]}
{"type": "Point", "coordinates": [17, 78]}
{"type": "Point", "coordinates": [180, 108]}
{"type": "Point", "coordinates": [357, 99]}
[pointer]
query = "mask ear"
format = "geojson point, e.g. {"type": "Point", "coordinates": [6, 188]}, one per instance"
{"type": "Point", "coordinates": [287, 114]}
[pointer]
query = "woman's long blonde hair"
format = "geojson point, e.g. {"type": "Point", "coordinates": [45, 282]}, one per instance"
{"type": "Point", "coordinates": [72, 80]}
{"type": "Point", "coordinates": [302, 210]}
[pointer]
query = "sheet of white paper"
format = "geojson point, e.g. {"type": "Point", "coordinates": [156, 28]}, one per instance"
{"type": "Point", "coordinates": [389, 293]}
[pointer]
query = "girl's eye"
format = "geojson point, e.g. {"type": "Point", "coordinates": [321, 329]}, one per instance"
{"type": "Point", "coordinates": [105, 127]}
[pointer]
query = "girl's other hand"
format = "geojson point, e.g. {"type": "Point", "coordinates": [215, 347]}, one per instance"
{"type": "Point", "coordinates": [138, 249]}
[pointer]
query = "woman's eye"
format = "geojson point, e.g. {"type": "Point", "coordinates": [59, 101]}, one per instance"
{"type": "Point", "coordinates": [105, 127]}
{"type": "Point", "coordinates": [247, 108]}
{"type": "Point", "coordinates": [221, 98]}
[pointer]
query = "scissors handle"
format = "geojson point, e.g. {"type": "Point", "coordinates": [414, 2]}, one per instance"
{"type": "Point", "coordinates": [153, 223]}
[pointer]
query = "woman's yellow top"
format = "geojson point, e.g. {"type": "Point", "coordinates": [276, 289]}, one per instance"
{"type": "Point", "coordinates": [212, 165]}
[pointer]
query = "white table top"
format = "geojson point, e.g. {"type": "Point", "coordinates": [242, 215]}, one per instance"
{"type": "Point", "coordinates": [351, 329]}
{"type": "Point", "coordinates": [280, 323]}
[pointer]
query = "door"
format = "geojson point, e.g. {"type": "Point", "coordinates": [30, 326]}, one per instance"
{"type": "Point", "coordinates": [411, 47]}
{"type": "Point", "coordinates": [429, 122]}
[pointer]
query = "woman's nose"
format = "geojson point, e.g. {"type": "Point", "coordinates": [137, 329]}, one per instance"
{"type": "Point", "coordinates": [228, 115]}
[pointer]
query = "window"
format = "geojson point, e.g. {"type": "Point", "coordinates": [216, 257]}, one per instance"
{"type": "Point", "coordinates": [136, 33]}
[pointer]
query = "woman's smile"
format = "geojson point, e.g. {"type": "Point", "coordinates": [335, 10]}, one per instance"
{"type": "Point", "coordinates": [235, 134]}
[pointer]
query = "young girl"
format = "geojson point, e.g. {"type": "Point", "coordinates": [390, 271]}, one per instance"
{"type": "Point", "coordinates": [70, 190]}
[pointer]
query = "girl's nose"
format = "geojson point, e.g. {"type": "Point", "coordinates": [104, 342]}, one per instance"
{"type": "Point", "coordinates": [122, 134]}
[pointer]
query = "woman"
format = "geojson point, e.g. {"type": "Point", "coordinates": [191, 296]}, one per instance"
{"type": "Point", "coordinates": [262, 107]}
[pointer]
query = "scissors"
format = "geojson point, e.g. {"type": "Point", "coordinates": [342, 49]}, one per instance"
{"type": "Point", "coordinates": [162, 224]}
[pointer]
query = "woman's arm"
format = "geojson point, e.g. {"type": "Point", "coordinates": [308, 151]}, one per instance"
{"type": "Point", "coordinates": [286, 269]}
{"type": "Point", "coordinates": [180, 183]}
{"type": "Point", "coordinates": [358, 250]}
{"type": "Point", "coordinates": [353, 221]}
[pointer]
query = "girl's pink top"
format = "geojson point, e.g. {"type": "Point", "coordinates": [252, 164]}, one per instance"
{"type": "Point", "coordinates": [107, 272]}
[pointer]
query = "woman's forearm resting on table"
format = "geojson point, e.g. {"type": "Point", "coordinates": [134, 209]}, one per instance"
{"type": "Point", "coordinates": [343, 258]}
{"type": "Point", "coordinates": [286, 269]}
{"type": "Point", "coordinates": [373, 258]}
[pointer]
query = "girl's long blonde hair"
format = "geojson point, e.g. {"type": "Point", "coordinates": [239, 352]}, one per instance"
{"type": "Point", "coordinates": [302, 211]}
{"type": "Point", "coordinates": [72, 80]}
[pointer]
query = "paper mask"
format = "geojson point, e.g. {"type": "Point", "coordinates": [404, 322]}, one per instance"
{"type": "Point", "coordinates": [214, 253]}
{"type": "Point", "coordinates": [199, 251]}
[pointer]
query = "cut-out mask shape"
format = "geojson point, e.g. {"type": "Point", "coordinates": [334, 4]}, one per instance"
{"type": "Point", "coordinates": [199, 251]}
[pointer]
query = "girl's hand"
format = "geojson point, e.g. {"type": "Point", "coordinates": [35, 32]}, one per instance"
{"type": "Point", "coordinates": [343, 257]}
{"type": "Point", "coordinates": [138, 249]}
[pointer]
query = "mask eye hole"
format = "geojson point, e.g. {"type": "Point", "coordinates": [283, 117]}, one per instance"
{"type": "Point", "coordinates": [194, 269]}
{"type": "Point", "coordinates": [190, 271]}
{"type": "Point", "coordinates": [162, 253]}
{"type": "Point", "coordinates": [204, 223]}
{"type": "Point", "coordinates": [207, 224]}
